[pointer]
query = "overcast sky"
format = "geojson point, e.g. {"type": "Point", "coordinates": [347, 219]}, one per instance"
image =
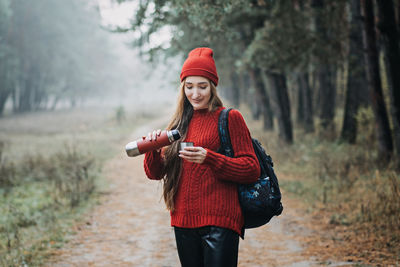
{"type": "Point", "coordinates": [113, 13]}
{"type": "Point", "coordinates": [148, 84]}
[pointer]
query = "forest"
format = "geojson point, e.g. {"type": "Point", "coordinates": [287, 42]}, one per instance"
{"type": "Point", "coordinates": [323, 75]}
{"type": "Point", "coordinates": [53, 54]}
{"type": "Point", "coordinates": [317, 81]}
{"type": "Point", "coordinates": [312, 49]}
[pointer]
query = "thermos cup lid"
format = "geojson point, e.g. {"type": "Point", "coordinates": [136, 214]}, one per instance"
{"type": "Point", "coordinates": [175, 134]}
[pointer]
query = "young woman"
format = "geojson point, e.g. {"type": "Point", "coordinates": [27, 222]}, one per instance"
{"type": "Point", "coordinates": [199, 184]}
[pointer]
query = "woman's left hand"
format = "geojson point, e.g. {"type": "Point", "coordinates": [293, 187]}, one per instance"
{"type": "Point", "coordinates": [195, 154]}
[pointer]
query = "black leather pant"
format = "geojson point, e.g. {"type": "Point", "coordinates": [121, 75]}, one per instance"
{"type": "Point", "coordinates": [209, 246]}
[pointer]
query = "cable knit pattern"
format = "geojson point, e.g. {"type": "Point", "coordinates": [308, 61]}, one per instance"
{"type": "Point", "coordinates": [207, 193]}
{"type": "Point", "coordinates": [153, 165]}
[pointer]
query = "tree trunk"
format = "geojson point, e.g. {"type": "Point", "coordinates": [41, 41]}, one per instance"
{"type": "Point", "coordinates": [307, 103]}
{"type": "Point", "coordinates": [14, 96]}
{"type": "Point", "coordinates": [262, 94]}
{"type": "Point", "coordinates": [4, 94]}
{"type": "Point", "coordinates": [235, 89]}
{"type": "Point", "coordinates": [385, 145]}
{"type": "Point", "coordinates": [55, 102]}
{"type": "Point", "coordinates": [245, 88]}
{"type": "Point", "coordinates": [300, 102]}
{"type": "Point", "coordinates": [357, 78]}
{"type": "Point", "coordinates": [325, 73]}
{"type": "Point", "coordinates": [390, 39]}
{"type": "Point", "coordinates": [315, 92]}
{"type": "Point", "coordinates": [72, 102]}
{"type": "Point", "coordinates": [24, 102]}
{"type": "Point", "coordinates": [255, 102]}
{"type": "Point", "coordinates": [398, 14]}
{"type": "Point", "coordinates": [256, 106]}
{"type": "Point", "coordinates": [5, 88]}
{"type": "Point", "coordinates": [327, 97]}
{"type": "Point", "coordinates": [282, 110]}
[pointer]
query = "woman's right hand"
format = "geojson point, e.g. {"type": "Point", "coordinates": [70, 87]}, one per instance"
{"type": "Point", "coordinates": [153, 136]}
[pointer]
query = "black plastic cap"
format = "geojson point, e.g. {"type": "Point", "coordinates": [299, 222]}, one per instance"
{"type": "Point", "coordinates": [175, 134]}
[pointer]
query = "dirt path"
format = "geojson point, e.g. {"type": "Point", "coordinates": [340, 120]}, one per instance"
{"type": "Point", "coordinates": [132, 227]}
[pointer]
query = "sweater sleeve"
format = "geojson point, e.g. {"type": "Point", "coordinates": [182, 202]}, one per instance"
{"type": "Point", "coordinates": [153, 165]}
{"type": "Point", "coordinates": [243, 167]}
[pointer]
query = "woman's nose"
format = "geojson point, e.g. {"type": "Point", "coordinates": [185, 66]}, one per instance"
{"type": "Point", "coordinates": [195, 93]}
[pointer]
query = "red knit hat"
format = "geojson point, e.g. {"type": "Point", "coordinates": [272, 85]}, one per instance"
{"type": "Point", "coordinates": [200, 62]}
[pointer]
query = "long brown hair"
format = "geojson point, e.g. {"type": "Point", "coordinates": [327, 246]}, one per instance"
{"type": "Point", "coordinates": [180, 121]}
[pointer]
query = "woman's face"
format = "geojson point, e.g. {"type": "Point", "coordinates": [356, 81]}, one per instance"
{"type": "Point", "coordinates": [198, 91]}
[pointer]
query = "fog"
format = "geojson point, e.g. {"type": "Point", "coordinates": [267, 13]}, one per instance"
{"type": "Point", "coordinates": [138, 83]}
{"type": "Point", "coordinates": [62, 54]}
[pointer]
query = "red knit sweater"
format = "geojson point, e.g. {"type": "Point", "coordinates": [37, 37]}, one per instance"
{"type": "Point", "coordinates": [207, 193]}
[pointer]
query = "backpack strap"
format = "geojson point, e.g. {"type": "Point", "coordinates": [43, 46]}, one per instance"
{"type": "Point", "coordinates": [223, 131]}
{"type": "Point", "coordinates": [226, 145]}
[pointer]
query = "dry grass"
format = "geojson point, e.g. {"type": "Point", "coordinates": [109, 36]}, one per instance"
{"type": "Point", "coordinates": [50, 169]}
{"type": "Point", "coordinates": [354, 199]}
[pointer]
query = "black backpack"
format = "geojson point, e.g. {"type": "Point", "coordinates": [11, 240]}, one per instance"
{"type": "Point", "coordinates": [260, 201]}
